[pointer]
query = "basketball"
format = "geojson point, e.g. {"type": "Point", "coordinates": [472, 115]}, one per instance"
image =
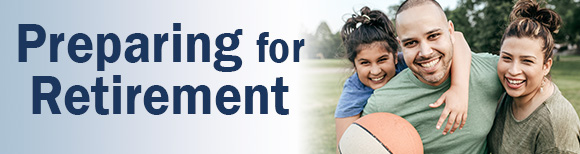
{"type": "Point", "coordinates": [381, 133]}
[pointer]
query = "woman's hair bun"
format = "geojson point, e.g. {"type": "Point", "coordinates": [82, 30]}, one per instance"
{"type": "Point", "coordinates": [531, 9]}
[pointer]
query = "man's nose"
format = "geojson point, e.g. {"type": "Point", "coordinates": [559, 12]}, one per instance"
{"type": "Point", "coordinates": [425, 49]}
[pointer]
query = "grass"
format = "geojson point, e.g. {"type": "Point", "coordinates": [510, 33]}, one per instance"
{"type": "Point", "coordinates": [322, 102]}
{"type": "Point", "coordinates": [328, 86]}
{"type": "Point", "coordinates": [566, 75]}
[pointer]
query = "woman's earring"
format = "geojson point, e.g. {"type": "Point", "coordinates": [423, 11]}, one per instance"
{"type": "Point", "coordinates": [542, 86]}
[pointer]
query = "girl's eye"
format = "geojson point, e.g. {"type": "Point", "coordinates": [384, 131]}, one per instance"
{"type": "Point", "coordinates": [382, 59]}
{"type": "Point", "coordinates": [364, 62]}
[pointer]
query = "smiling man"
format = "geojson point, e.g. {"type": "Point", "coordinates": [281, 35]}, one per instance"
{"type": "Point", "coordinates": [425, 37]}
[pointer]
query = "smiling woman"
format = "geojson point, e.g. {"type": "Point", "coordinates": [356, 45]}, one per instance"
{"type": "Point", "coordinates": [533, 115]}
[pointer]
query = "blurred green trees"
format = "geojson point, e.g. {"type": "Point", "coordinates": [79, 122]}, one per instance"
{"type": "Point", "coordinates": [482, 21]}
{"type": "Point", "coordinates": [569, 10]}
{"type": "Point", "coordinates": [324, 43]}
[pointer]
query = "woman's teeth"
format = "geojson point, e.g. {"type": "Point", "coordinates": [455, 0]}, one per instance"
{"type": "Point", "coordinates": [515, 81]}
{"type": "Point", "coordinates": [430, 64]}
{"type": "Point", "coordinates": [378, 79]}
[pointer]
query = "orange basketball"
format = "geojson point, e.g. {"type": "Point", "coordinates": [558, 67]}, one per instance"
{"type": "Point", "coordinates": [381, 133]}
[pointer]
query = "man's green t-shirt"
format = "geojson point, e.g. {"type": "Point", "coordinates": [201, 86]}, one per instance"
{"type": "Point", "coordinates": [408, 97]}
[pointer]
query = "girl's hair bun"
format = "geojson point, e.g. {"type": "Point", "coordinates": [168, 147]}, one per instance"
{"type": "Point", "coordinates": [367, 27]}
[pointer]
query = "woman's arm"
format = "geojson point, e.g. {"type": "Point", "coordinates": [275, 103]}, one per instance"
{"type": "Point", "coordinates": [457, 97]}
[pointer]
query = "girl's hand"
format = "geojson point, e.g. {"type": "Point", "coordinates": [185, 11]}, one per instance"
{"type": "Point", "coordinates": [456, 108]}
{"type": "Point", "coordinates": [457, 97]}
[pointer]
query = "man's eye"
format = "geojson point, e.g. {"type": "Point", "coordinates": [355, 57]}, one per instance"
{"type": "Point", "coordinates": [432, 36]}
{"type": "Point", "coordinates": [410, 43]}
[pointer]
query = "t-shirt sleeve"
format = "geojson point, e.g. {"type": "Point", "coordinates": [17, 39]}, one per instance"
{"type": "Point", "coordinates": [353, 98]}
{"type": "Point", "coordinates": [566, 125]}
{"type": "Point", "coordinates": [487, 58]}
{"type": "Point", "coordinates": [370, 106]}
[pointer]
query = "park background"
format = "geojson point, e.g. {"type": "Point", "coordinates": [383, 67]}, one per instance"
{"type": "Point", "coordinates": [482, 22]}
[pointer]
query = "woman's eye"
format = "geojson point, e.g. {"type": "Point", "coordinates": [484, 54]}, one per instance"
{"type": "Point", "coordinates": [364, 62]}
{"type": "Point", "coordinates": [506, 59]}
{"type": "Point", "coordinates": [528, 61]}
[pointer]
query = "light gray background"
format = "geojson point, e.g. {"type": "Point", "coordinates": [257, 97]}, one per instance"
{"type": "Point", "coordinates": [24, 132]}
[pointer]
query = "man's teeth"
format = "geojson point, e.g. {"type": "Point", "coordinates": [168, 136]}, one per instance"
{"type": "Point", "coordinates": [378, 79]}
{"type": "Point", "coordinates": [430, 64]}
{"type": "Point", "coordinates": [515, 81]}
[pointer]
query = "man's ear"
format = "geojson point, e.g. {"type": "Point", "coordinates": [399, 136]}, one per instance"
{"type": "Point", "coordinates": [451, 30]}
{"type": "Point", "coordinates": [399, 41]}
{"type": "Point", "coordinates": [396, 58]}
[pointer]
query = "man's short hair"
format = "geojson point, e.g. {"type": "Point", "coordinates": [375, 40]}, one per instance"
{"type": "Point", "coordinates": [412, 3]}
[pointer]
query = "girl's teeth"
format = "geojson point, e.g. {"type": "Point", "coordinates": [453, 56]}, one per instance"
{"type": "Point", "coordinates": [378, 79]}
{"type": "Point", "coordinates": [430, 64]}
